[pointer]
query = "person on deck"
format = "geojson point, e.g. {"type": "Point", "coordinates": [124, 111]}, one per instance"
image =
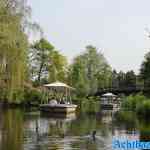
{"type": "Point", "coordinates": [53, 102]}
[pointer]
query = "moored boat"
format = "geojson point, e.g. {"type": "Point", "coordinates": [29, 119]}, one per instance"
{"type": "Point", "coordinates": [61, 104]}
{"type": "Point", "coordinates": [58, 108]}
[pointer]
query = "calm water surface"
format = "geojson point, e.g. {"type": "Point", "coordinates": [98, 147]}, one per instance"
{"type": "Point", "coordinates": [20, 130]}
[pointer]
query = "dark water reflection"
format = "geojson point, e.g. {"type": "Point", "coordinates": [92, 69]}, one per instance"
{"type": "Point", "coordinates": [21, 130]}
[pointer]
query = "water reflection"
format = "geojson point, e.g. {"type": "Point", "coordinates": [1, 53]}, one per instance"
{"type": "Point", "coordinates": [145, 131]}
{"type": "Point", "coordinates": [20, 130]}
{"type": "Point", "coordinates": [11, 129]}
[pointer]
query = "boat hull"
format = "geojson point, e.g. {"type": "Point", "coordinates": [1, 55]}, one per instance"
{"type": "Point", "coordinates": [58, 108]}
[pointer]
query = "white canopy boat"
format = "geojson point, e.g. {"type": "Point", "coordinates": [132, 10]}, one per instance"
{"type": "Point", "coordinates": [63, 103]}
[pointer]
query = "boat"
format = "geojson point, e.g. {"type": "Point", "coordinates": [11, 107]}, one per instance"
{"type": "Point", "coordinates": [58, 108]}
{"type": "Point", "coordinates": [109, 101]}
{"type": "Point", "coordinates": [60, 104]}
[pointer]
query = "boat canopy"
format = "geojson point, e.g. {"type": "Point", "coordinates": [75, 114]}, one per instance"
{"type": "Point", "coordinates": [109, 95]}
{"type": "Point", "coordinates": [58, 85]}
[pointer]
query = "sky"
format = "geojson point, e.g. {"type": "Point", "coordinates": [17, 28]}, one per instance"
{"type": "Point", "coordinates": [118, 28]}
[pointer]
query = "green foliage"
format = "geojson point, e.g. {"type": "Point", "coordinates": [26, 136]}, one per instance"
{"type": "Point", "coordinates": [145, 70]}
{"type": "Point", "coordinates": [46, 62]}
{"type": "Point", "coordinates": [40, 59]}
{"type": "Point", "coordinates": [132, 101]}
{"type": "Point", "coordinates": [130, 79]}
{"type": "Point", "coordinates": [89, 71]}
{"type": "Point", "coordinates": [34, 96]}
{"type": "Point", "coordinates": [13, 48]}
{"type": "Point", "coordinates": [127, 117]}
{"type": "Point", "coordinates": [124, 80]}
{"type": "Point", "coordinates": [143, 109]}
{"type": "Point", "coordinates": [58, 67]}
{"type": "Point", "coordinates": [139, 104]}
{"type": "Point", "coordinates": [90, 106]}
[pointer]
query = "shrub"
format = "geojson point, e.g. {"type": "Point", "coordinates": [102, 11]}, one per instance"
{"type": "Point", "coordinates": [90, 106]}
{"type": "Point", "coordinates": [34, 96]}
{"type": "Point", "coordinates": [131, 102]}
{"type": "Point", "coordinates": [143, 109]}
{"type": "Point", "coordinates": [138, 103]}
{"type": "Point", "coordinates": [126, 118]}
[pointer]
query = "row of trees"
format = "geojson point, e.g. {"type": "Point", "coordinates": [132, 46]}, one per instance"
{"type": "Point", "coordinates": [130, 79]}
{"type": "Point", "coordinates": [24, 65]}
{"type": "Point", "coordinates": [89, 72]}
{"type": "Point", "coordinates": [124, 80]}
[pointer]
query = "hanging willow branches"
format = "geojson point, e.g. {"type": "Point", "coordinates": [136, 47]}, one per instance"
{"type": "Point", "coordinates": [13, 48]}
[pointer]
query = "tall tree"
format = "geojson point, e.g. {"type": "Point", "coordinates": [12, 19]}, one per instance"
{"type": "Point", "coordinates": [40, 56]}
{"type": "Point", "coordinates": [46, 63]}
{"type": "Point", "coordinates": [130, 79]}
{"type": "Point", "coordinates": [57, 67]}
{"type": "Point", "coordinates": [121, 79]}
{"type": "Point", "coordinates": [115, 81]}
{"type": "Point", "coordinates": [13, 47]}
{"type": "Point", "coordinates": [92, 69]}
{"type": "Point", "coordinates": [78, 77]}
{"type": "Point", "coordinates": [145, 70]}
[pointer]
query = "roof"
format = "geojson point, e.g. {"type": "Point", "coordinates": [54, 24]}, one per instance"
{"type": "Point", "coordinates": [58, 85]}
{"type": "Point", "coordinates": [109, 95]}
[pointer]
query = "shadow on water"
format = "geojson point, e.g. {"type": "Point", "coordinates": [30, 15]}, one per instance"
{"type": "Point", "coordinates": [21, 130]}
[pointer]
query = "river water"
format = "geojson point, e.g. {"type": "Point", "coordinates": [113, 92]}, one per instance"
{"type": "Point", "coordinates": [22, 130]}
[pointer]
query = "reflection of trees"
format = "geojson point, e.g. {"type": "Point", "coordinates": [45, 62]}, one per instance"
{"type": "Point", "coordinates": [12, 130]}
{"type": "Point", "coordinates": [41, 133]}
{"type": "Point", "coordinates": [126, 120]}
{"type": "Point", "coordinates": [83, 125]}
{"type": "Point", "coordinates": [59, 128]}
{"type": "Point", "coordinates": [144, 131]}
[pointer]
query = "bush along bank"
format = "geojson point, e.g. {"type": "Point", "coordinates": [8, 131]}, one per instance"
{"type": "Point", "coordinates": [139, 104]}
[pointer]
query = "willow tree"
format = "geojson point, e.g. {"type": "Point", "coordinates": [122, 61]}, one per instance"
{"type": "Point", "coordinates": [13, 49]}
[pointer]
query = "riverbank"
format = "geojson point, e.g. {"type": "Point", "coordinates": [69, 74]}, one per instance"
{"type": "Point", "coordinates": [17, 105]}
{"type": "Point", "coordinates": [139, 104]}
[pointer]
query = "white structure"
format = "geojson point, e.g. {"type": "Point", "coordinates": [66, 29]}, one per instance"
{"type": "Point", "coordinates": [62, 93]}
{"type": "Point", "coordinates": [108, 101]}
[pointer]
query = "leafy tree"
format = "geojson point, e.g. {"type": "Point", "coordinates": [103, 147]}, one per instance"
{"type": "Point", "coordinates": [121, 79]}
{"type": "Point", "coordinates": [58, 67]}
{"type": "Point", "coordinates": [39, 57]}
{"type": "Point", "coordinates": [90, 71]}
{"type": "Point", "coordinates": [46, 63]}
{"type": "Point", "coordinates": [13, 47]}
{"type": "Point", "coordinates": [124, 80]}
{"type": "Point", "coordinates": [145, 70]}
{"type": "Point", "coordinates": [115, 81]}
{"type": "Point", "coordinates": [78, 77]}
{"type": "Point", "coordinates": [130, 79]}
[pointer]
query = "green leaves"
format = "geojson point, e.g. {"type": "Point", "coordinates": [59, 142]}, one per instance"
{"type": "Point", "coordinates": [47, 63]}
{"type": "Point", "coordinates": [145, 70]}
{"type": "Point", "coordinates": [13, 49]}
{"type": "Point", "coordinates": [88, 71]}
